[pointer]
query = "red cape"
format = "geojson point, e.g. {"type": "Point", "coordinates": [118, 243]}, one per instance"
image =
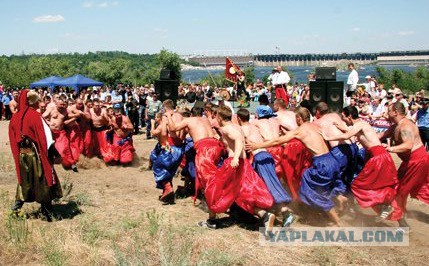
{"type": "Point", "coordinates": [32, 127]}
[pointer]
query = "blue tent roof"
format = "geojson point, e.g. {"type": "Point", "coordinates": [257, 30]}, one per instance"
{"type": "Point", "coordinates": [49, 82]}
{"type": "Point", "coordinates": [77, 82]}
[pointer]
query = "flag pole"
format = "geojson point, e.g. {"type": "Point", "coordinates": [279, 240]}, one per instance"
{"type": "Point", "coordinates": [205, 65]}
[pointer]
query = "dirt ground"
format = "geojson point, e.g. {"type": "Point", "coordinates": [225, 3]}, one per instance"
{"type": "Point", "coordinates": [112, 216]}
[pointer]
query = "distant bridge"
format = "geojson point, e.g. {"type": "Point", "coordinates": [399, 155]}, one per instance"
{"type": "Point", "coordinates": [382, 58]}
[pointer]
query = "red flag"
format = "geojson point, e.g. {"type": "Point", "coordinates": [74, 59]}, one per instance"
{"type": "Point", "coordinates": [231, 70]}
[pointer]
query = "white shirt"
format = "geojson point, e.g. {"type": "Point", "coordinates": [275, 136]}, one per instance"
{"type": "Point", "coordinates": [382, 94]}
{"type": "Point", "coordinates": [376, 110]}
{"type": "Point", "coordinates": [353, 79]}
{"type": "Point", "coordinates": [280, 78]}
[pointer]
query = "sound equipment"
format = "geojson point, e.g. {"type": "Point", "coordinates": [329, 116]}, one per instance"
{"type": "Point", "coordinates": [317, 93]}
{"type": "Point", "coordinates": [330, 92]}
{"type": "Point", "coordinates": [335, 95]}
{"type": "Point", "coordinates": [167, 74]}
{"type": "Point", "coordinates": [167, 89]}
{"type": "Point", "coordinates": [326, 73]}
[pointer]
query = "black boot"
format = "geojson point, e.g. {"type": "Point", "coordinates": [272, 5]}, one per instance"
{"type": "Point", "coordinates": [17, 207]}
{"type": "Point", "coordinates": [46, 210]}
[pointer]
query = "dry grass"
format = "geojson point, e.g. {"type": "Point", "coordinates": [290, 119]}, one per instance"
{"type": "Point", "coordinates": [112, 217]}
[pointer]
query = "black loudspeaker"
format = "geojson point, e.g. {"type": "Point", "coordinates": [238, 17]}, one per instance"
{"type": "Point", "coordinates": [335, 95]}
{"type": "Point", "coordinates": [167, 74]}
{"type": "Point", "coordinates": [317, 93]}
{"type": "Point", "coordinates": [326, 73]}
{"type": "Point", "coordinates": [167, 89]}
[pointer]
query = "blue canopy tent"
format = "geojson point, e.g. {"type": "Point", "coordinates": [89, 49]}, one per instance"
{"type": "Point", "coordinates": [77, 82]}
{"type": "Point", "coordinates": [49, 82]}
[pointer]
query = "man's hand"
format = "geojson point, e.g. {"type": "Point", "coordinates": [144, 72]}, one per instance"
{"type": "Point", "coordinates": [234, 162]}
{"type": "Point", "coordinates": [250, 146]}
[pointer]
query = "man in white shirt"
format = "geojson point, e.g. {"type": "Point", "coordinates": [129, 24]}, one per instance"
{"type": "Point", "coordinates": [353, 79]}
{"type": "Point", "coordinates": [376, 109]}
{"type": "Point", "coordinates": [280, 79]}
{"type": "Point", "coordinates": [380, 91]}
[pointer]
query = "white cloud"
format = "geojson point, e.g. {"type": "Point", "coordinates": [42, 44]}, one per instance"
{"type": "Point", "coordinates": [103, 5]}
{"type": "Point", "coordinates": [87, 5]}
{"type": "Point", "coordinates": [100, 4]}
{"type": "Point", "coordinates": [48, 19]}
{"type": "Point", "coordinates": [406, 33]}
{"type": "Point", "coordinates": [356, 29]}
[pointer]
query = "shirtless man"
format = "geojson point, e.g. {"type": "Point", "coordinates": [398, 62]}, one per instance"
{"type": "Point", "coordinates": [42, 107]}
{"type": "Point", "coordinates": [82, 142]}
{"type": "Point", "coordinates": [57, 118]}
{"type": "Point", "coordinates": [286, 118]}
{"type": "Point", "coordinates": [210, 111]}
{"type": "Point", "coordinates": [296, 157]}
{"type": "Point", "coordinates": [167, 154]}
{"type": "Point", "coordinates": [208, 153]}
{"type": "Point", "coordinates": [263, 164]}
{"type": "Point", "coordinates": [375, 185]}
{"type": "Point", "coordinates": [343, 151]}
{"type": "Point", "coordinates": [162, 157]}
{"type": "Point", "coordinates": [269, 127]}
{"type": "Point", "coordinates": [54, 99]}
{"type": "Point", "coordinates": [100, 123]}
{"type": "Point", "coordinates": [122, 148]}
{"type": "Point", "coordinates": [14, 102]}
{"type": "Point", "coordinates": [413, 173]}
{"type": "Point", "coordinates": [317, 180]}
{"type": "Point", "coordinates": [236, 181]}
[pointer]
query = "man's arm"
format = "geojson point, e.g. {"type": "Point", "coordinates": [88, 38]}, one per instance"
{"type": "Point", "coordinates": [386, 134]}
{"type": "Point", "coordinates": [238, 145]}
{"type": "Point", "coordinates": [176, 127]}
{"type": "Point", "coordinates": [274, 142]}
{"type": "Point", "coordinates": [155, 131]}
{"type": "Point", "coordinates": [47, 113]}
{"type": "Point", "coordinates": [346, 135]}
{"type": "Point", "coordinates": [126, 123]}
{"type": "Point", "coordinates": [407, 142]}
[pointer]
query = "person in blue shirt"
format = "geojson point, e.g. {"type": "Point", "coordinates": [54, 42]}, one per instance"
{"type": "Point", "coordinates": [7, 97]}
{"type": "Point", "coordinates": [423, 122]}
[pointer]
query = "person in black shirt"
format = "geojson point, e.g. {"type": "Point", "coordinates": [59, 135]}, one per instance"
{"type": "Point", "coordinates": [142, 97]}
{"type": "Point", "coordinates": [132, 107]}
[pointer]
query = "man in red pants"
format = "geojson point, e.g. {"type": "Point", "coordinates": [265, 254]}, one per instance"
{"type": "Point", "coordinates": [57, 118]}
{"type": "Point", "coordinates": [413, 173]}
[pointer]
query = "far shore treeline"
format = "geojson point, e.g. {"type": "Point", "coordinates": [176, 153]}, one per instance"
{"type": "Point", "coordinates": [115, 67]}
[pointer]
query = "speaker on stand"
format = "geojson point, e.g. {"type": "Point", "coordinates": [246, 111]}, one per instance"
{"type": "Point", "coordinates": [167, 86]}
{"type": "Point", "coordinates": [327, 89]}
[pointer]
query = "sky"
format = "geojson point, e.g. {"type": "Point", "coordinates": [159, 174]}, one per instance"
{"type": "Point", "coordinates": [213, 27]}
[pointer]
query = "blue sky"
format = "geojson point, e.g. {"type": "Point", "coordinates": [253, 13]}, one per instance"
{"type": "Point", "coordinates": [191, 26]}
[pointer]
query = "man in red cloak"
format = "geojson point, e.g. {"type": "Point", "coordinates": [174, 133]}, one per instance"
{"type": "Point", "coordinates": [30, 139]}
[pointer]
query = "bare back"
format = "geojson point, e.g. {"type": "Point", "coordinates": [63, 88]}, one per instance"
{"type": "Point", "coordinates": [252, 135]}
{"type": "Point", "coordinates": [230, 134]}
{"type": "Point", "coordinates": [367, 135]}
{"type": "Point", "coordinates": [199, 128]}
{"type": "Point", "coordinates": [181, 134]}
{"type": "Point", "coordinates": [269, 128]}
{"type": "Point", "coordinates": [287, 120]}
{"type": "Point", "coordinates": [309, 134]}
{"type": "Point", "coordinates": [327, 124]}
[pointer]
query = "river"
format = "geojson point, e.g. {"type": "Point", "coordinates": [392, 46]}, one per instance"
{"type": "Point", "coordinates": [299, 73]}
